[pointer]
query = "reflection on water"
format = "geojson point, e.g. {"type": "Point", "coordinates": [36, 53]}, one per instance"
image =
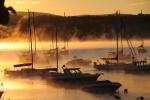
{"type": "Point", "coordinates": [38, 89]}
{"type": "Point", "coordinates": [18, 89]}
{"type": "Point", "coordinates": [71, 45]}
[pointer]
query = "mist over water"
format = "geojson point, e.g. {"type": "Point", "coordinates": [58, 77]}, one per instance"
{"type": "Point", "coordinates": [38, 89]}
{"type": "Point", "coordinates": [46, 45]}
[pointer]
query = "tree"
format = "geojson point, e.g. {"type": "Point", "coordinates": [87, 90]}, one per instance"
{"type": "Point", "coordinates": [4, 13]}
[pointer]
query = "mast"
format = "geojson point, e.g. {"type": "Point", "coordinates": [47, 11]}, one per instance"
{"type": "Point", "coordinates": [117, 47]}
{"type": "Point", "coordinates": [122, 31]}
{"type": "Point", "coordinates": [119, 32]}
{"type": "Point", "coordinates": [30, 38]}
{"type": "Point", "coordinates": [34, 32]}
{"type": "Point", "coordinates": [56, 50]}
{"type": "Point", "coordinates": [64, 31]}
{"type": "Point", "coordinates": [53, 41]}
{"type": "Point", "coordinates": [128, 42]}
{"type": "Point", "coordinates": [65, 36]}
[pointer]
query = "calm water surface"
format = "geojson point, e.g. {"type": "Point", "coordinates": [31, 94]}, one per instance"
{"type": "Point", "coordinates": [38, 89]}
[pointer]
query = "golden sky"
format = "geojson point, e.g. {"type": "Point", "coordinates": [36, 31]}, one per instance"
{"type": "Point", "coordinates": [80, 7]}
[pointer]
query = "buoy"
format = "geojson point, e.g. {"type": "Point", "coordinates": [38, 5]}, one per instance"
{"type": "Point", "coordinates": [125, 91]}
{"type": "Point", "coordinates": [117, 97]}
{"type": "Point", "coordinates": [140, 98]}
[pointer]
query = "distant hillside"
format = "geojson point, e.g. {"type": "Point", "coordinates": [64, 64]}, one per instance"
{"type": "Point", "coordinates": [82, 27]}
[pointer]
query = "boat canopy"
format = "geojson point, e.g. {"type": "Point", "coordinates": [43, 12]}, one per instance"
{"type": "Point", "coordinates": [115, 58]}
{"type": "Point", "coordinates": [73, 68]}
{"type": "Point", "coordinates": [23, 65]}
{"type": "Point", "coordinates": [141, 49]}
{"type": "Point", "coordinates": [50, 69]}
{"type": "Point", "coordinates": [72, 71]}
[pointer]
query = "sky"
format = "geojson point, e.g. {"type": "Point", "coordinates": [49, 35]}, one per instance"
{"type": "Point", "coordinates": [81, 7]}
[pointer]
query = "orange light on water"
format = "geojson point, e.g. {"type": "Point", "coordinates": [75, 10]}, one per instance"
{"type": "Point", "coordinates": [12, 46]}
{"type": "Point", "coordinates": [71, 45]}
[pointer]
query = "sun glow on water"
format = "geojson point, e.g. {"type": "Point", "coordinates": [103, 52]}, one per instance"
{"type": "Point", "coordinates": [71, 45]}
{"type": "Point", "coordinates": [21, 89]}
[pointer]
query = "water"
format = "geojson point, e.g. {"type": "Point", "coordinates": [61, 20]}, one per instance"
{"type": "Point", "coordinates": [38, 89]}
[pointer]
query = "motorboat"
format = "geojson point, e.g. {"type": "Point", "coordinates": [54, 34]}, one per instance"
{"type": "Point", "coordinates": [102, 86]}
{"type": "Point", "coordinates": [71, 76]}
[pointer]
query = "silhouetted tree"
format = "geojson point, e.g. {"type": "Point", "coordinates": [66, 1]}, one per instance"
{"type": "Point", "coordinates": [4, 13]}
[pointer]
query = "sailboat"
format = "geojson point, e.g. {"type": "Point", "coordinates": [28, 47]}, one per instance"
{"type": "Point", "coordinates": [69, 75]}
{"type": "Point", "coordinates": [141, 48]}
{"type": "Point", "coordinates": [75, 78]}
{"type": "Point", "coordinates": [27, 69]}
{"type": "Point", "coordinates": [119, 61]}
{"type": "Point", "coordinates": [61, 51]}
{"type": "Point", "coordinates": [64, 51]}
{"type": "Point", "coordinates": [51, 53]}
{"type": "Point", "coordinates": [25, 55]}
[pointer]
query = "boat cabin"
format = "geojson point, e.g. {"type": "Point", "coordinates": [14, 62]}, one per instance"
{"type": "Point", "coordinates": [71, 70]}
{"type": "Point", "coordinates": [140, 63]}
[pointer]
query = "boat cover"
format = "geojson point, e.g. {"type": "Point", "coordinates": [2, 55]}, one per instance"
{"type": "Point", "coordinates": [23, 65]}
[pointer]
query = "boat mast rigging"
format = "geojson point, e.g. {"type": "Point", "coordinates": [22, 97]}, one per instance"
{"type": "Point", "coordinates": [117, 47]}
{"type": "Point", "coordinates": [33, 20]}
{"type": "Point", "coordinates": [30, 31]}
{"type": "Point", "coordinates": [56, 49]}
{"type": "Point", "coordinates": [65, 36]}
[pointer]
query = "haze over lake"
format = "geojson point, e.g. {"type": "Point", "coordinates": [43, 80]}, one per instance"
{"type": "Point", "coordinates": [36, 88]}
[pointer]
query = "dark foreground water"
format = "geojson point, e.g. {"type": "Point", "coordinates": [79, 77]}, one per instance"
{"type": "Point", "coordinates": [37, 89]}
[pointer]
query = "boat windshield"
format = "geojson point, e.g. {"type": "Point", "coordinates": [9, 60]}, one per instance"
{"type": "Point", "coordinates": [77, 71]}
{"type": "Point", "coordinates": [72, 71]}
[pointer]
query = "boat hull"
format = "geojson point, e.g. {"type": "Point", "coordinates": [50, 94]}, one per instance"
{"type": "Point", "coordinates": [102, 87]}
{"type": "Point", "coordinates": [125, 67]}
{"type": "Point", "coordinates": [67, 81]}
{"type": "Point", "coordinates": [1, 93]}
{"type": "Point", "coordinates": [27, 72]}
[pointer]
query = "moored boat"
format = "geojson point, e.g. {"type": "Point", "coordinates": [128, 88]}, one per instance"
{"type": "Point", "coordinates": [103, 86]}
{"type": "Point", "coordinates": [79, 62]}
{"type": "Point", "coordinates": [140, 65]}
{"type": "Point", "coordinates": [71, 76]}
{"type": "Point", "coordinates": [27, 69]}
{"type": "Point", "coordinates": [121, 61]}
{"type": "Point", "coordinates": [24, 70]}
{"type": "Point", "coordinates": [1, 93]}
